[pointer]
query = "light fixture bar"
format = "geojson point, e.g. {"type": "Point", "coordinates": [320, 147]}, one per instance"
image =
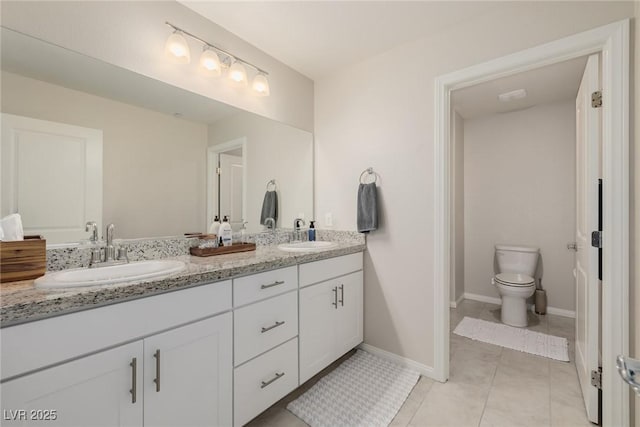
{"type": "Point", "coordinates": [206, 43]}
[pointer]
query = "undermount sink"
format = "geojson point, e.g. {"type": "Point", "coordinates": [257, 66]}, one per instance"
{"type": "Point", "coordinates": [306, 246]}
{"type": "Point", "coordinates": [109, 275]}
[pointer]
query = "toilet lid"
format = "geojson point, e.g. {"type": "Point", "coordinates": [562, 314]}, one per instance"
{"type": "Point", "coordinates": [512, 279]}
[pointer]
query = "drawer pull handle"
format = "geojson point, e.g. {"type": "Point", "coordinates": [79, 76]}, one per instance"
{"type": "Point", "coordinates": [134, 379]}
{"type": "Point", "coordinates": [335, 297]}
{"type": "Point", "coordinates": [275, 325]}
{"type": "Point", "coordinates": [342, 295]}
{"type": "Point", "coordinates": [271, 285]}
{"type": "Point", "coordinates": [277, 377]}
{"type": "Point", "coordinates": [157, 379]}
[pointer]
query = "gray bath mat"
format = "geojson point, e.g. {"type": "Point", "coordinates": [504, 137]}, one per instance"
{"type": "Point", "coordinates": [365, 390]}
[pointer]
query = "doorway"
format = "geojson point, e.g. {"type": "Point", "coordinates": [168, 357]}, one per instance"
{"type": "Point", "coordinates": [612, 41]}
{"type": "Point", "coordinates": [226, 183]}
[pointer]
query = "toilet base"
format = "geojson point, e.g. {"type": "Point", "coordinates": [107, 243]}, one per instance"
{"type": "Point", "coordinates": [514, 311]}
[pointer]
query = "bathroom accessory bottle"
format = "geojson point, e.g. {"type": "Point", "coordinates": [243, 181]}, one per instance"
{"type": "Point", "coordinates": [215, 226]}
{"type": "Point", "coordinates": [312, 231]}
{"type": "Point", "coordinates": [225, 232]}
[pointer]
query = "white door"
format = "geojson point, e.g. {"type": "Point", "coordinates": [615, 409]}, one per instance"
{"type": "Point", "coordinates": [349, 315]}
{"type": "Point", "coordinates": [188, 375]}
{"type": "Point", "coordinates": [318, 312]}
{"type": "Point", "coordinates": [51, 176]}
{"type": "Point", "coordinates": [95, 390]}
{"type": "Point", "coordinates": [231, 189]}
{"type": "Point", "coordinates": [587, 283]}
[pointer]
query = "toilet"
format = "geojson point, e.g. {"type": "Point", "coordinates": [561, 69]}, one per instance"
{"type": "Point", "coordinates": [515, 281]}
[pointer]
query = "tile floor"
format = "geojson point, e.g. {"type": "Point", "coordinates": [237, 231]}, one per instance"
{"type": "Point", "coordinates": [489, 385]}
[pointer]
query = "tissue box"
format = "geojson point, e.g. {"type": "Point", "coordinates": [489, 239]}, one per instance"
{"type": "Point", "coordinates": [23, 259]}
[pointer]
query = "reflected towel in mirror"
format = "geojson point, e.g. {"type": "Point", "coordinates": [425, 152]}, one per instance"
{"type": "Point", "coordinates": [367, 207]}
{"type": "Point", "coordinates": [269, 207]}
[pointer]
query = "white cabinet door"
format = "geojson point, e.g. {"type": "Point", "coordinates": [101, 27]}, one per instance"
{"type": "Point", "coordinates": [317, 327]}
{"type": "Point", "coordinates": [349, 317]}
{"type": "Point", "coordinates": [331, 322]}
{"type": "Point", "coordinates": [188, 375]}
{"type": "Point", "coordinates": [95, 390]}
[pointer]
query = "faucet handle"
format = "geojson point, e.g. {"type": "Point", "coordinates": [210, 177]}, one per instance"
{"type": "Point", "coordinates": [123, 254]}
{"type": "Point", "coordinates": [96, 256]}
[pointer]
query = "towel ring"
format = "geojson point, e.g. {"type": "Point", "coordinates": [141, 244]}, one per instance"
{"type": "Point", "coordinates": [369, 171]}
{"type": "Point", "coordinates": [272, 182]}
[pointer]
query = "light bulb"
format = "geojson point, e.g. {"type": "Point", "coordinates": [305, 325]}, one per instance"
{"type": "Point", "coordinates": [238, 73]}
{"type": "Point", "coordinates": [260, 85]}
{"type": "Point", "coordinates": [210, 61]}
{"type": "Point", "coordinates": [177, 48]}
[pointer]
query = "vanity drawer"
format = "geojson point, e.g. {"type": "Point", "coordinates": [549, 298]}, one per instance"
{"type": "Point", "coordinates": [263, 285]}
{"type": "Point", "coordinates": [265, 380]}
{"type": "Point", "coordinates": [263, 325]}
{"type": "Point", "coordinates": [319, 271]}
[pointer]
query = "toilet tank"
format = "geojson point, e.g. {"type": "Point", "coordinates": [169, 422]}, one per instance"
{"type": "Point", "coordinates": [517, 259]}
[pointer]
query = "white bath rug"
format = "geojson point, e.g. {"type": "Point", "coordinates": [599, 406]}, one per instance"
{"type": "Point", "coordinates": [520, 339]}
{"type": "Point", "coordinates": [365, 390]}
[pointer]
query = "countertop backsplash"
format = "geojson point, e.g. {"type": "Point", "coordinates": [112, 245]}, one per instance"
{"type": "Point", "coordinates": [78, 256]}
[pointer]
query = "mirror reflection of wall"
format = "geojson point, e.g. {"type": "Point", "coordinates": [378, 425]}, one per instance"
{"type": "Point", "coordinates": [155, 140]}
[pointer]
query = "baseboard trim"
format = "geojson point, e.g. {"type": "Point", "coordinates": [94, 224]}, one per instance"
{"type": "Point", "coordinates": [491, 300]}
{"type": "Point", "coordinates": [454, 304]}
{"type": "Point", "coordinates": [424, 370]}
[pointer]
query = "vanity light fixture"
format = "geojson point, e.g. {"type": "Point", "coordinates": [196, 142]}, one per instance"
{"type": "Point", "coordinates": [213, 59]}
{"type": "Point", "coordinates": [177, 48]}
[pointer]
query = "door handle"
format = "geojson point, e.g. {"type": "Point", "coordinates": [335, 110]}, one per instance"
{"type": "Point", "coordinates": [629, 370]}
{"type": "Point", "coordinates": [275, 325]}
{"type": "Point", "coordinates": [573, 246]}
{"type": "Point", "coordinates": [335, 297]}
{"type": "Point", "coordinates": [277, 377]}
{"type": "Point", "coordinates": [134, 379]}
{"type": "Point", "coordinates": [342, 295]}
{"type": "Point", "coordinates": [271, 285]}
{"type": "Point", "coordinates": [157, 379]}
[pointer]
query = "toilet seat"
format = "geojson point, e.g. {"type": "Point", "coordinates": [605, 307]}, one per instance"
{"type": "Point", "coordinates": [513, 279]}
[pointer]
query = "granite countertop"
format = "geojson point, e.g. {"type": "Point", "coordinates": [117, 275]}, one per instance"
{"type": "Point", "coordinates": [21, 302]}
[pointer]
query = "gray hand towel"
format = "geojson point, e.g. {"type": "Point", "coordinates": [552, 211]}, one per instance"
{"type": "Point", "coordinates": [269, 207]}
{"type": "Point", "coordinates": [367, 207]}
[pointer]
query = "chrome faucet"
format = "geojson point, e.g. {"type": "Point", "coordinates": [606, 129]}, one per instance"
{"type": "Point", "coordinates": [108, 255]}
{"type": "Point", "coordinates": [92, 227]}
{"type": "Point", "coordinates": [296, 228]}
{"type": "Point", "coordinates": [270, 223]}
{"type": "Point", "coordinates": [110, 250]}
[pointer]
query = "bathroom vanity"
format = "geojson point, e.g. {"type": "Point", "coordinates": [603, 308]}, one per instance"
{"type": "Point", "coordinates": [214, 345]}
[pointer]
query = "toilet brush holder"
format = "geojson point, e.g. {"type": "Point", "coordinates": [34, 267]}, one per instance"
{"type": "Point", "coordinates": [541, 301]}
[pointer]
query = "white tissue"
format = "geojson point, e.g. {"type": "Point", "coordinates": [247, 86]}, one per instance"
{"type": "Point", "coordinates": [11, 226]}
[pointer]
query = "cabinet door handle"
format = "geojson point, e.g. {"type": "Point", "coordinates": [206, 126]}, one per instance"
{"type": "Point", "coordinates": [271, 285]}
{"type": "Point", "coordinates": [275, 325]}
{"type": "Point", "coordinates": [335, 297]}
{"type": "Point", "coordinates": [157, 379]}
{"type": "Point", "coordinates": [134, 379]}
{"type": "Point", "coordinates": [342, 295]}
{"type": "Point", "coordinates": [277, 377]}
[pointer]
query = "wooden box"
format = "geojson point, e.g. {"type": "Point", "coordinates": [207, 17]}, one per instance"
{"type": "Point", "coordinates": [222, 250]}
{"type": "Point", "coordinates": [23, 259]}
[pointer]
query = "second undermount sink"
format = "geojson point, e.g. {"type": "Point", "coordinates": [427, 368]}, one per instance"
{"type": "Point", "coordinates": [306, 246]}
{"type": "Point", "coordinates": [109, 275]}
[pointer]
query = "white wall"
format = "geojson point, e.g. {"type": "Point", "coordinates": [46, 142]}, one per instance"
{"type": "Point", "coordinates": [153, 164]}
{"type": "Point", "coordinates": [274, 151]}
{"type": "Point", "coordinates": [457, 211]}
{"type": "Point", "coordinates": [519, 180]}
{"type": "Point", "coordinates": [132, 34]}
{"type": "Point", "coordinates": [379, 112]}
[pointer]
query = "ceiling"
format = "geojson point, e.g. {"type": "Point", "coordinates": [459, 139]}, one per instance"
{"type": "Point", "coordinates": [315, 37]}
{"type": "Point", "coordinates": [545, 85]}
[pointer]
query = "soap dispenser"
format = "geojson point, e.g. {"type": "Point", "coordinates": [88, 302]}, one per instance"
{"type": "Point", "coordinates": [225, 232]}
{"type": "Point", "coordinates": [215, 226]}
{"type": "Point", "coordinates": [312, 231]}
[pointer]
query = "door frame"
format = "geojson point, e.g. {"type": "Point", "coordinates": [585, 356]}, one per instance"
{"type": "Point", "coordinates": [212, 178]}
{"type": "Point", "coordinates": [612, 41]}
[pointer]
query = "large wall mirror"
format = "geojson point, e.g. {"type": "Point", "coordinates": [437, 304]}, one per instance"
{"type": "Point", "coordinates": [84, 140]}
